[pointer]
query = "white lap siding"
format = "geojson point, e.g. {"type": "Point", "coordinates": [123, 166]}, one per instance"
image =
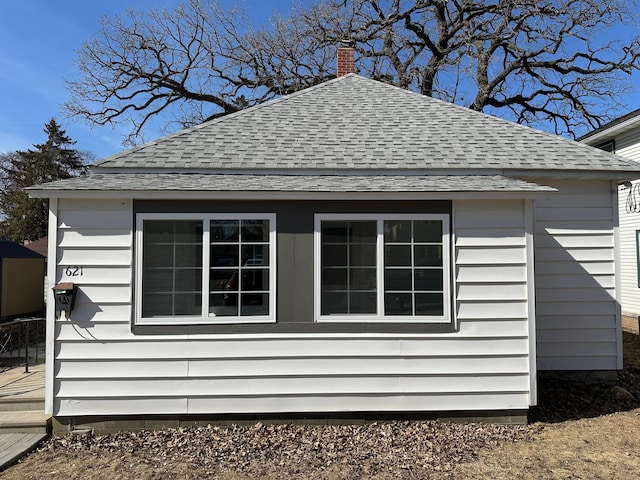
{"type": "Point", "coordinates": [102, 368]}
{"type": "Point", "coordinates": [628, 145]}
{"type": "Point", "coordinates": [577, 312]}
{"type": "Point", "coordinates": [630, 282]}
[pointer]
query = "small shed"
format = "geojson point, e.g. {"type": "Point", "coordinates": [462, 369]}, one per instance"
{"type": "Point", "coordinates": [21, 274]}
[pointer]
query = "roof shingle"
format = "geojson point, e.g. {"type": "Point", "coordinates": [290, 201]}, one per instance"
{"type": "Point", "coordinates": [354, 123]}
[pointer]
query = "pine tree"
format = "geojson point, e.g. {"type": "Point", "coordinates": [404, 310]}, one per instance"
{"type": "Point", "coordinates": [26, 218]}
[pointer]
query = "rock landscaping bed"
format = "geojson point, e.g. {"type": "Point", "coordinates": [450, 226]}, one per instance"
{"type": "Point", "coordinates": [411, 446]}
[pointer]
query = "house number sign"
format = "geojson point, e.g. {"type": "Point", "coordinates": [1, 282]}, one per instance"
{"type": "Point", "coordinates": [73, 271]}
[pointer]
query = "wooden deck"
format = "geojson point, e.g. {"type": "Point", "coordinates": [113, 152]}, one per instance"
{"type": "Point", "coordinates": [23, 423]}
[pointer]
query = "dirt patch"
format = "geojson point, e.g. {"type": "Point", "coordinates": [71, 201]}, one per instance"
{"type": "Point", "coordinates": [630, 324]}
{"type": "Point", "coordinates": [596, 448]}
{"type": "Point", "coordinates": [580, 430]}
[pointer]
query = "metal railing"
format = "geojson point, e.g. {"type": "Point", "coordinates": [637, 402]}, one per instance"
{"type": "Point", "coordinates": [20, 341]}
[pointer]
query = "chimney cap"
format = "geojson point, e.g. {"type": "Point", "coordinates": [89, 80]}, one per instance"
{"type": "Point", "coordinates": [347, 42]}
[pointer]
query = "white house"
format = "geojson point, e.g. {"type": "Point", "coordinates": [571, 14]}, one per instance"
{"type": "Point", "coordinates": [350, 250]}
{"type": "Point", "coordinates": [622, 136]}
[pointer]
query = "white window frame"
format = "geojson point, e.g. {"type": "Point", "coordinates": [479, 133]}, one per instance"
{"type": "Point", "coordinates": [380, 317]}
{"type": "Point", "coordinates": [205, 317]}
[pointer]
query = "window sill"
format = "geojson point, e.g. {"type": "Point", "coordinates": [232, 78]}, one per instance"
{"type": "Point", "coordinates": [285, 328]}
{"type": "Point", "coordinates": [394, 320]}
{"type": "Point", "coordinates": [213, 320]}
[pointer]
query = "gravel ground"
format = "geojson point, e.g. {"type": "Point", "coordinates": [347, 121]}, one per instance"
{"type": "Point", "coordinates": [366, 450]}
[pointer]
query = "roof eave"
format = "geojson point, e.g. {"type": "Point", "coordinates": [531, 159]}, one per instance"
{"type": "Point", "coordinates": [611, 129]}
{"type": "Point", "coordinates": [280, 195]}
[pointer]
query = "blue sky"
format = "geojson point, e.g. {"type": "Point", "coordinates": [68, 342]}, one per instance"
{"type": "Point", "coordinates": [38, 41]}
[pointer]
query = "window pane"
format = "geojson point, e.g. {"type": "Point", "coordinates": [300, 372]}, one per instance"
{"type": "Point", "coordinates": [397, 231]}
{"type": "Point", "coordinates": [224, 255]}
{"type": "Point", "coordinates": [334, 232]}
{"type": "Point", "coordinates": [253, 255]}
{"type": "Point", "coordinates": [399, 279]}
{"type": "Point", "coordinates": [362, 279]}
{"type": "Point", "coordinates": [223, 280]}
{"type": "Point", "coordinates": [157, 255]}
{"type": "Point", "coordinates": [171, 267]}
{"type": "Point", "coordinates": [188, 255]}
{"type": "Point", "coordinates": [223, 304]}
{"type": "Point", "coordinates": [362, 302]}
{"type": "Point", "coordinates": [254, 304]}
{"type": "Point", "coordinates": [253, 280]}
{"type": "Point", "coordinates": [398, 304]}
{"type": "Point", "coordinates": [187, 304]}
{"type": "Point", "coordinates": [427, 231]}
{"type": "Point", "coordinates": [172, 231]}
{"type": "Point", "coordinates": [352, 245]}
{"type": "Point", "coordinates": [397, 255]}
{"type": "Point", "coordinates": [428, 255]}
{"type": "Point", "coordinates": [189, 280]}
{"type": "Point", "coordinates": [429, 304]}
{"type": "Point", "coordinates": [334, 278]}
{"type": "Point", "coordinates": [334, 255]}
{"type": "Point", "coordinates": [364, 231]}
{"type": "Point", "coordinates": [255, 230]}
{"type": "Point", "coordinates": [224, 230]}
{"type": "Point", "coordinates": [158, 280]}
{"type": "Point", "coordinates": [334, 303]}
{"type": "Point", "coordinates": [189, 231]}
{"type": "Point", "coordinates": [158, 232]}
{"type": "Point", "coordinates": [430, 279]}
{"type": "Point", "coordinates": [362, 255]}
{"type": "Point", "coordinates": [157, 304]}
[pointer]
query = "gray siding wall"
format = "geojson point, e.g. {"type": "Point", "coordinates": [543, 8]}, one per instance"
{"type": "Point", "coordinates": [578, 323]}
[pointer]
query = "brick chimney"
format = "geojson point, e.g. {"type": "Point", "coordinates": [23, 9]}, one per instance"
{"type": "Point", "coordinates": [346, 62]}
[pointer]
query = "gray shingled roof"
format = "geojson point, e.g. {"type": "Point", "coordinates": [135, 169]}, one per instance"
{"type": "Point", "coordinates": [291, 183]}
{"type": "Point", "coordinates": [360, 124]}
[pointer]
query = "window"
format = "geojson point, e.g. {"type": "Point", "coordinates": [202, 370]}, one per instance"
{"type": "Point", "coordinates": [382, 268]}
{"type": "Point", "coordinates": [205, 268]}
{"type": "Point", "coordinates": [608, 146]}
{"type": "Point", "coordinates": [638, 256]}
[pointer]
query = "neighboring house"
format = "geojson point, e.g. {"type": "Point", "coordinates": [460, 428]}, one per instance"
{"type": "Point", "coordinates": [21, 274]}
{"type": "Point", "coordinates": [622, 137]}
{"type": "Point", "coordinates": [40, 246]}
{"type": "Point", "coordinates": [353, 249]}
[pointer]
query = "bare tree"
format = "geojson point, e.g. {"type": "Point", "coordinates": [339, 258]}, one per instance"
{"type": "Point", "coordinates": [556, 64]}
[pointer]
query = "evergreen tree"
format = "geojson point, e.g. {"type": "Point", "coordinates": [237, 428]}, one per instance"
{"type": "Point", "coordinates": [26, 218]}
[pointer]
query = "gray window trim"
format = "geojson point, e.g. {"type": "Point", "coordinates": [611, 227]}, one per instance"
{"type": "Point", "coordinates": [294, 309]}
